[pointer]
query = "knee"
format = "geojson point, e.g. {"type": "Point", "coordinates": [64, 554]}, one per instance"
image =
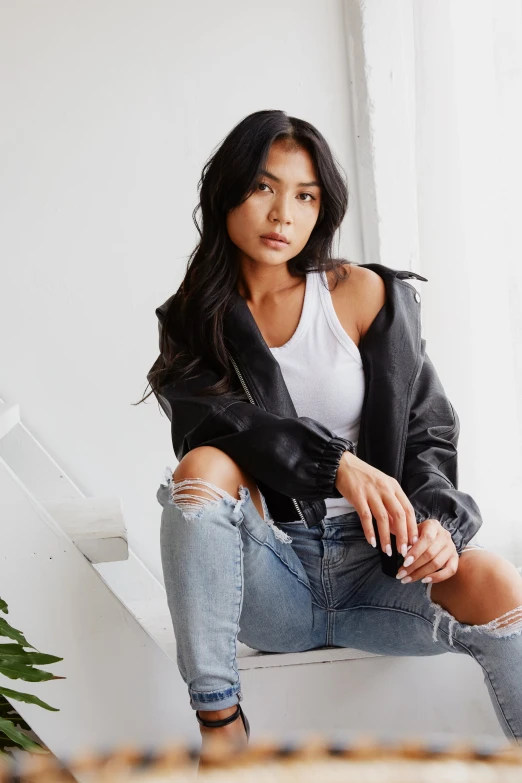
{"type": "Point", "coordinates": [485, 587]}
{"type": "Point", "coordinates": [212, 465]}
{"type": "Point", "coordinates": [485, 571]}
{"type": "Point", "coordinates": [214, 473]}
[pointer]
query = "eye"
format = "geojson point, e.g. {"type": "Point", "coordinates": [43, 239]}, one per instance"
{"type": "Point", "coordinates": [312, 198]}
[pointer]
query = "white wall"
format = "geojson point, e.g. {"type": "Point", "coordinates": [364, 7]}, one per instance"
{"type": "Point", "coordinates": [110, 111]}
{"type": "Point", "coordinates": [112, 108]}
{"type": "Point", "coordinates": [469, 169]}
{"type": "Point", "coordinates": [438, 105]}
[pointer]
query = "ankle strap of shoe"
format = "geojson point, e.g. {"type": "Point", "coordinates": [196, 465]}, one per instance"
{"type": "Point", "coordinates": [214, 724]}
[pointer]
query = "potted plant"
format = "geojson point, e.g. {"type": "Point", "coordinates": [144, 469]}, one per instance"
{"type": "Point", "coordinates": [19, 664]}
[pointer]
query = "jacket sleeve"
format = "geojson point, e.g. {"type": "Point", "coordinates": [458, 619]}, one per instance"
{"type": "Point", "coordinates": [430, 471]}
{"type": "Point", "coordinates": [297, 456]}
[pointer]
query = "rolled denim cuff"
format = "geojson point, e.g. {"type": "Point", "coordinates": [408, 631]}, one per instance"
{"type": "Point", "coordinates": [214, 700]}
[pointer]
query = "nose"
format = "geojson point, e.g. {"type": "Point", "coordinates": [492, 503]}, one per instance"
{"type": "Point", "coordinates": [281, 211]}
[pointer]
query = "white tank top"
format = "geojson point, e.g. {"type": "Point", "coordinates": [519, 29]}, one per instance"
{"type": "Point", "coordinates": [323, 370]}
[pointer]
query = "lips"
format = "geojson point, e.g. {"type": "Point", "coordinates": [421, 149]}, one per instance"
{"type": "Point", "coordinates": [275, 237]}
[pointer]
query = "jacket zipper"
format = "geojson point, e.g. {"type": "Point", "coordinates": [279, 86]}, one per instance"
{"type": "Point", "coordinates": [251, 399]}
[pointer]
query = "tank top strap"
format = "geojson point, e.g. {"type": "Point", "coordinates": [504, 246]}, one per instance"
{"type": "Point", "coordinates": [309, 310]}
{"type": "Point", "coordinates": [312, 308]}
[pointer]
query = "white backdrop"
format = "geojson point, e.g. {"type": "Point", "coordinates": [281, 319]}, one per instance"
{"type": "Point", "coordinates": [437, 96]}
{"type": "Point", "coordinates": [469, 170]}
{"type": "Point", "coordinates": [110, 111]}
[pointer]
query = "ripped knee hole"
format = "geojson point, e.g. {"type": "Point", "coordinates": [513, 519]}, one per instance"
{"type": "Point", "coordinates": [191, 504]}
{"type": "Point", "coordinates": [507, 625]}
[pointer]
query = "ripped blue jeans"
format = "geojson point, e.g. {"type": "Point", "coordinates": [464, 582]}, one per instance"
{"type": "Point", "coordinates": [230, 574]}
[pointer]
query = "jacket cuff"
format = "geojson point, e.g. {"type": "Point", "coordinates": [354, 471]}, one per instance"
{"type": "Point", "coordinates": [328, 465]}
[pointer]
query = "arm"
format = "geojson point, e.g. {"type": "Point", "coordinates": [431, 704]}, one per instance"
{"type": "Point", "coordinates": [430, 470]}
{"type": "Point", "coordinates": [297, 456]}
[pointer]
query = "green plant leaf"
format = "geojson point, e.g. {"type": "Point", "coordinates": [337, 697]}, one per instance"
{"type": "Point", "coordinates": [17, 671]}
{"type": "Point", "coordinates": [27, 697]}
{"type": "Point", "coordinates": [25, 742]}
{"type": "Point", "coordinates": [10, 647]}
{"type": "Point", "coordinates": [23, 656]}
{"type": "Point", "coordinates": [13, 633]}
{"type": "Point", "coordinates": [17, 663]}
{"type": "Point", "coordinates": [18, 721]}
{"type": "Point", "coordinates": [8, 711]}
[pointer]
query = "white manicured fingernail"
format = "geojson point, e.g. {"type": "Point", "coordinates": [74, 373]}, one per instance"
{"type": "Point", "coordinates": [373, 541]}
{"type": "Point", "coordinates": [409, 560]}
{"type": "Point", "coordinates": [426, 579]}
{"type": "Point", "coordinates": [415, 539]}
{"type": "Point", "coordinates": [388, 550]}
{"type": "Point", "coordinates": [404, 550]}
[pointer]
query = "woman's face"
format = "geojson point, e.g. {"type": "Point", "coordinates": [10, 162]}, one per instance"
{"type": "Point", "coordinates": [285, 201]}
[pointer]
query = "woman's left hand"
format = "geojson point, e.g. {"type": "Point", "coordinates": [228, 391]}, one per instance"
{"type": "Point", "coordinates": [434, 554]}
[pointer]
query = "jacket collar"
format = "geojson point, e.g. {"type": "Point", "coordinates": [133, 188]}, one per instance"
{"type": "Point", "coordinates": [257, 364]}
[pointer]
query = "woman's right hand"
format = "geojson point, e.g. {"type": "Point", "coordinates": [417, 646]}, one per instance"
{"type": "Point", "coordinates": [374, 493]}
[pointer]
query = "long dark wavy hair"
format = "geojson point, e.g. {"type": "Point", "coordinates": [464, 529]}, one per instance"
{"type": "Point", "coordinates": [192, 331]}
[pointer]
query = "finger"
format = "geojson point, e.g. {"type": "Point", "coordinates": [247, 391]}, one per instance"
{"type": "Point", "coordinates": [381, 517]}
{"type": "Point", "coordinates": [411, 519]}
{"type": "Point", "coordinates": [365, 515]}
{"type": "Point", "coordinates": [438, 574]}
{"type": "Point", "coordinates": [423, 551]}
{"type": "Point", "coordinates": [398, 525]}
{"type": "Point", "coordinates": [438, 562]}
{"type": "Point", "coordinates": [431, 552]}
{"type": "Point", "coordinates": [450, 569]}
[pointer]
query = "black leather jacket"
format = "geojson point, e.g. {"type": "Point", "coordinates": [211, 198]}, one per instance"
{"type": "Point", "coordinates": [408, 427]}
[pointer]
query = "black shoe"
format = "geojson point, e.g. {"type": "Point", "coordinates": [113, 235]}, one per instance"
{"type": "Point", "coordinates": [214, 724]}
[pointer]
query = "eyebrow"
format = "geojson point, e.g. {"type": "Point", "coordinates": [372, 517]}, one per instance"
{"type": "Point", "coordinates": [299, 184]}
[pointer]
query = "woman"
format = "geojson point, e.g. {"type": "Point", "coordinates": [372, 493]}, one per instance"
{"type": "Point", "coordinates": [315, 502]}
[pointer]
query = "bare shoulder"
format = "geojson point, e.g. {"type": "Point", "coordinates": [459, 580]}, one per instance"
{"type": "Point", "coordinates": [363, 293]}
{"type": "Point", "coordinates": [371, 297]}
